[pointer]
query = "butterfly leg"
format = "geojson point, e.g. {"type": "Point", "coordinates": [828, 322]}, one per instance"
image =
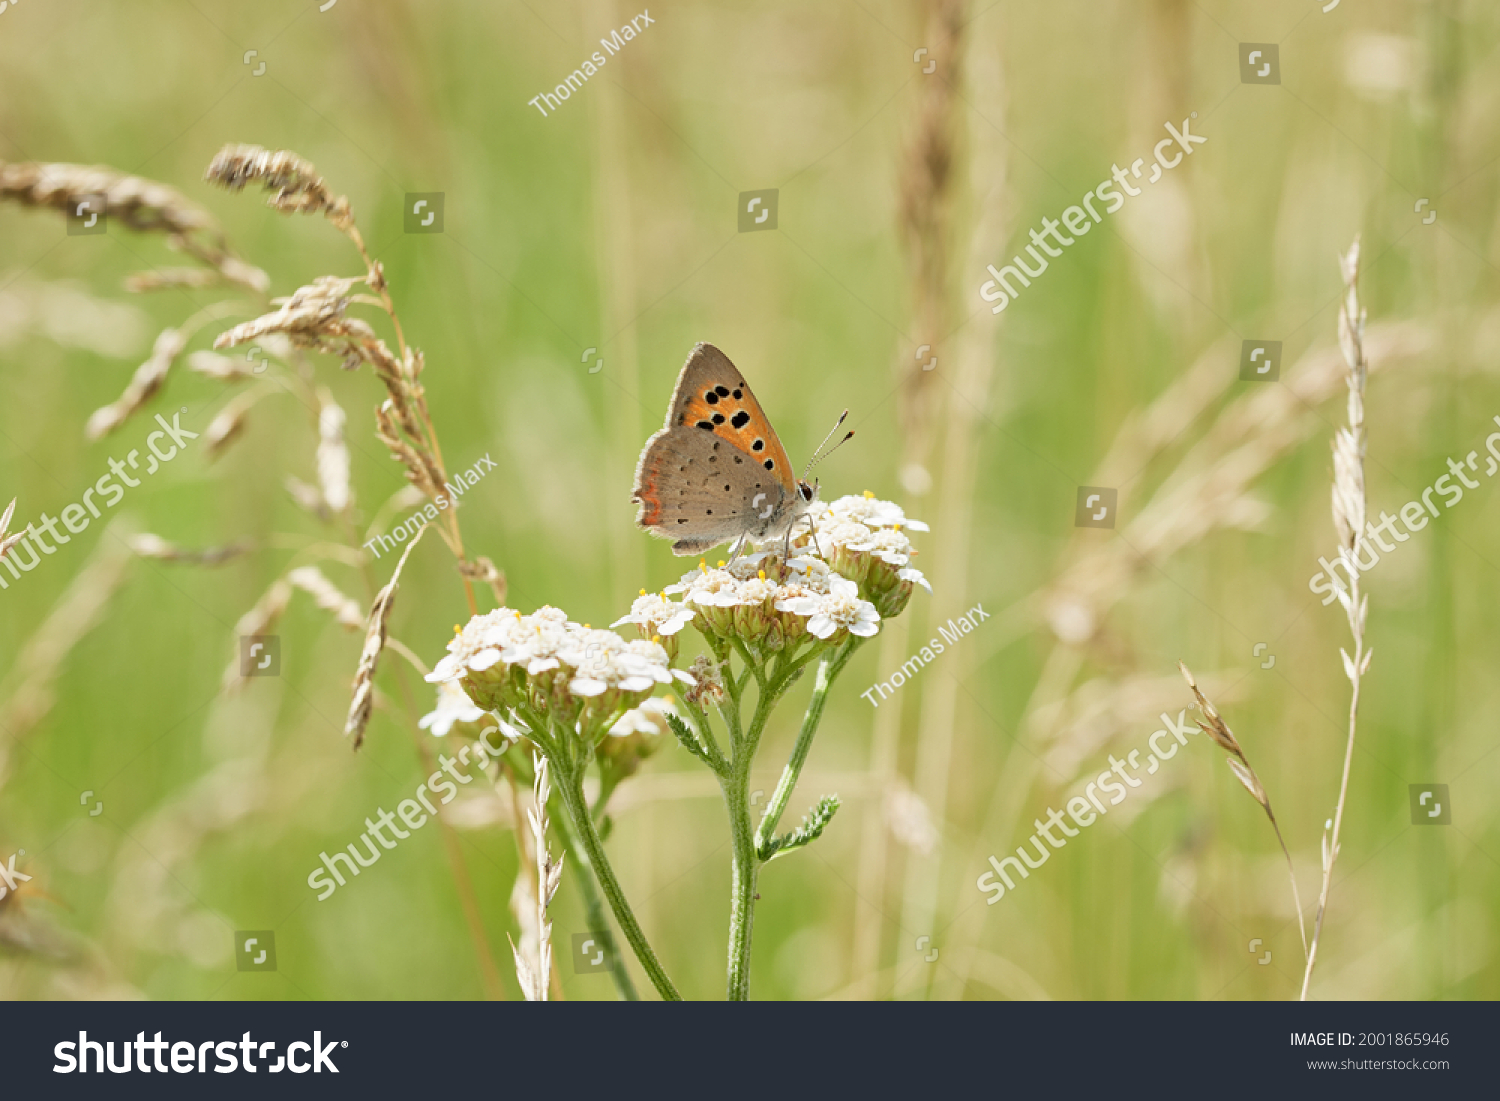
{"type": "Point", "coordinates": [739, 548]}
{"type": "Point", "coordinates": [812, 529]}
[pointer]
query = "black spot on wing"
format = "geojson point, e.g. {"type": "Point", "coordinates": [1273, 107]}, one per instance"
{"type": "Point", "coordinates": [758, 445]}
{"type": "Point", "coordinates": [718, 418]}
{"type": "Point", "coordinates": [769, 464]}
{"type": "Point", "coordinates": [706, 424]}
{"type": "Point", "coordinates": [723, 391]}
{"type": "Point", "coordinates": [741, 419]}
{"type": "Point", "coordinates": [711, 397]}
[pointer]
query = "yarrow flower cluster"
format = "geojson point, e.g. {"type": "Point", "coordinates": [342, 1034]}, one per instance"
{"type": "Point", "coordinates": [849, 572]}
{"type": "Point", "coordinates": [862, 539]}
{"type": "Point", "coordinates": [544, 663]}
{"type": "Point", "coordinates": [757, 601]}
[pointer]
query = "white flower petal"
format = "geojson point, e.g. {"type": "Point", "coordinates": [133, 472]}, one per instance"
{"type": "Point", "coordinates": [915, 576]}
{"type": "Point", "coordinates": [586, 686]}
{"type": "Point", "coordinates": [484, 659]}
{"type": "Point", "coordinates": [447, 669]}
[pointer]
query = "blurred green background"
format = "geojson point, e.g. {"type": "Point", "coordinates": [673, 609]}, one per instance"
{"type": "Point", "coordinates": [611, 225]}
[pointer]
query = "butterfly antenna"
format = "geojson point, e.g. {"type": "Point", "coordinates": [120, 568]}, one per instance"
{"type": "Point", "coordinates": [819, 455]}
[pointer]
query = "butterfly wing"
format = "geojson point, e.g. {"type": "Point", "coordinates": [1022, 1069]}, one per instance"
{"type": "Point", "coordinates": [700, 491]}
{"type": "Point", "coordinates": [713, 396]}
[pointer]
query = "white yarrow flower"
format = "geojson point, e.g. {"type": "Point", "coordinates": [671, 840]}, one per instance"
{"type": "Point", "coordinates": [841, 608]}
{"type": "Point", "coordinates": [873, 512]}
{"type": "Point", "coordinates": [657, 614]}
{"type": "Point", "coordinates": [453, 706]}
{"type": "Point", "coordinates": [890, 546]}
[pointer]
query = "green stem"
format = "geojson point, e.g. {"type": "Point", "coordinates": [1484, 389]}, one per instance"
{"type": "Point", "coordinates": [594, 906]}
{"type": "Point", "coordinates": [745, 868]}
{"type": "Point", "coordinates": [828, 669]}
{"type": "Point", "coordinates": [745, 863]}
{"type": "Point", "coordinates": [570, 788]}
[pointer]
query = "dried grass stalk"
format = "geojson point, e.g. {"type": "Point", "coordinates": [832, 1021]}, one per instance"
{"type": "Point", "coordinates": [220, 368]}
{"type": "Point", "coordinates": [144, 384]}
{"type": "Point", "coordinates": [142, 282]}
{"type": "Point", "coordinates": [138, 204]}
{"type": "Point", "coordinates": [1210, 487]}
{"type": "Point", "coordinates": [229, 422]}
{"type": "Point", "coordinates": [375, 635]}
{"type": "Point", "coordinates": [298, 187]}
{"type": "Point", "coordinates": [1349, 444]}
{"type": "Point", "coordinates": [549, 874]}
{"type": "Point", "coordinates": [257, 621]}
{"type": "Point", "coordinates": [308, 498]}
{"type": "Point", "coordinates": [312, 317]}
{"type": "Point", "coordinates": [333, 454]}
{"type": "Point", "coordinates": [229, 270]}
{"type": "Point", "coordinates": [315, 318]}
{"type": "Point", "coordinates": [328, 596]}
{"type": "Point", "coordinates": [485, 571]}
{"type": "Point", "coordinates": [147, 545]}
{"type": "Point", "coordinates": [1217, 729]}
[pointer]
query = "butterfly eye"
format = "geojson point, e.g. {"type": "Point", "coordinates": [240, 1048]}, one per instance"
{"type": "Point", "coordinates": [806, 491]}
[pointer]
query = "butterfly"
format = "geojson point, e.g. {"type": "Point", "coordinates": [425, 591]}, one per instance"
{"type": "Point", "coordinates": [717, 471]}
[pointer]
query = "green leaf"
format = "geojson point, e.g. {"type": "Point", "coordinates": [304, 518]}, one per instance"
{"type": "Point", "coordinates": [688, 739]}
{"type": "Point", "coordinates": [811, 829]}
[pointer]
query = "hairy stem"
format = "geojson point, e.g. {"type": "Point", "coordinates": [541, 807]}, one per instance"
{"type": "Point", "coordinates": [736, 785]}
{"type": "Point", "coordinates": [593, 905]}
{"type": "Point", "coordinates": [744, 870]}
{"type": "Point", "coordinates": [570, 788]}
{"type": "Point", "coordinates": [828, 670]}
